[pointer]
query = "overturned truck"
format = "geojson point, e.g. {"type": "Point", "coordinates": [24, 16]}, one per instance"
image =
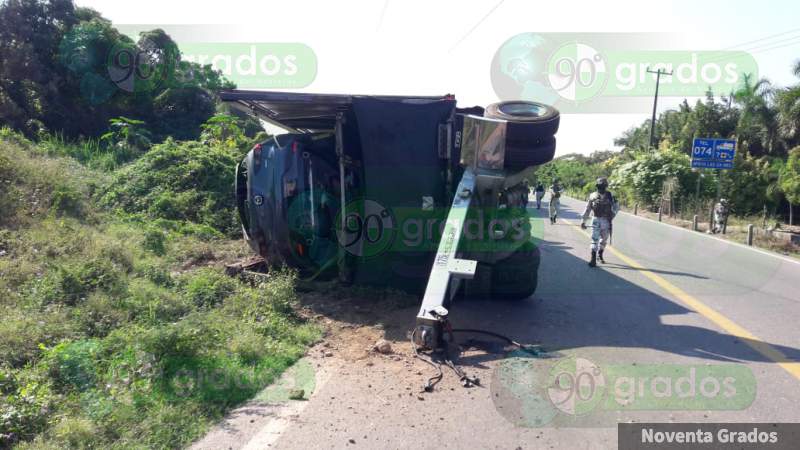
{"type": "Point", "coordinates": [412, 193]}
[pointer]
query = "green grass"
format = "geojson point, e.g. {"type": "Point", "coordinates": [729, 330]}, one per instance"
{"type": "Point", "coordinates": [119, 329]}
{"type": "Point", "coordinates": [91, 153]}
{"type": "Point", "coordinates": [179, 181]}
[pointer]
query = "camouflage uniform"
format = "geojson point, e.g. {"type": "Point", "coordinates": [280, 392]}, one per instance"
{"type": "Point", "coordinates": [720, 216]}
{"type": "Point", "coordinates": [555, 194]}
{"type": "Point", "coordinates": [539, 195]}
{"type": "Point", "coordinates": [603, 206]}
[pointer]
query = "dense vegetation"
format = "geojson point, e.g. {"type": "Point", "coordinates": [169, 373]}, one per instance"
{"type": "Point", "coordinates": [66, 69]}
{"type": "Point", "coordinates": [112, 319]}
{"type": "Point", "coordinates": [764, 119]}
{"type": "Point", "coordinates": [118, 328]}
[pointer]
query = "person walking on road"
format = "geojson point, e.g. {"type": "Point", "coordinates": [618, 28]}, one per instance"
{"type": "Point", "coordinates": [720, 216]}
{"type": "Point", "coordinates": [539, 190]}
{"type": "Point", "coordinates": [555, 194]}
{"type": "Point", "coordinates": [604, 208]}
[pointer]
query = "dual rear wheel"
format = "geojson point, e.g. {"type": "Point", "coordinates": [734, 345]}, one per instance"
{"type": "Point", "coordinates": [530, 133]}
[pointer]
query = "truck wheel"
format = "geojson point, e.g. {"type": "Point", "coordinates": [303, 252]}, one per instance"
{"type": "Point", "coordinates": [516, 277]}
{"type": "Point", "coordinates": [528, 122]}
{"type": "Point", "coordinates": [520, 155]}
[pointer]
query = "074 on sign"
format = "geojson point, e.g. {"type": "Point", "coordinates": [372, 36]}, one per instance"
{"type": "Point", "coordinates": [708, 153]}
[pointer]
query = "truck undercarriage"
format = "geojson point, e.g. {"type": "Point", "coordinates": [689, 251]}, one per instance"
{"type": "Point", "coordinates": [411, 193]}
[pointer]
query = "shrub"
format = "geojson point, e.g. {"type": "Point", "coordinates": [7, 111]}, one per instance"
{"type": "Point", "coordinates": [192, 336]}
{"type": "Point", "coordinates": [25, 414]}
{"type": "Point", "coordinates": [643, 178]}
{"type": "Point", "coordinates": [249, 346]}
{"type": "Point", "coordinates": [154, 272]}
{"type": "Point", "coordinates": [74, 432]}
{"type": "Point", "coordinates": [71, 283]}
{"type": "Point", "coordinates": [208, 287]}
{"type": "Point", "coordinates": [179, 181]}
{"type": "Point", "coordinates": [72, 364]}
{"type": "Point", "coordinates": [22, 333]}
{"type": "Point", "coordinates": [115, 252]}
{"type": "Point", "coordinates": [154, 241]}
{"type": "Point", "coordinates": [170, 426]}
{"type": "Point", "coordinates": [154, 304]}
{"type": "Point", "coordinates": [99, 315]}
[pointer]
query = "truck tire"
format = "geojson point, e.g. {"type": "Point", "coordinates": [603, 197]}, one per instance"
{"type": "Point", "coordinates": [520, 155]}
{"type": "Point", "coordinates": [528, 122]}
{"type": "Point", "coordinates": [516, 277]}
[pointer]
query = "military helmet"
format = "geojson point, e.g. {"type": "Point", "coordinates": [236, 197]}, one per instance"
{"type": "Point", "coordinates": [602, 181]}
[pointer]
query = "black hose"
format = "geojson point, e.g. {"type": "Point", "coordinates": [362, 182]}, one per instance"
{"type": "Point", "coordinates": [490, 333]}
{"type": "Point", "coordinates": [507, 339]}
{"type": "Point", "coordinates": [434, 380]}
{"type": "Point", "coordinates": [465, 379]}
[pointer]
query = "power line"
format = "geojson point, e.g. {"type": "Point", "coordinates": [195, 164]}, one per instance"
{"type": "Point", "coordinates": [476, 25]}
{"type": "Point", "coordinates": [761, 39]}
{"type": "Point", "coordinates": [383, 13]}
{"type": "Point", "coordinates": [776, 47]}
{"type": "Point", "coordinates": [758, 49]}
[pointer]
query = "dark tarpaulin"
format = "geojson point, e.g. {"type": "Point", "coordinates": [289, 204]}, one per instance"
{"type": "Point", "coordinates": [399, 144]}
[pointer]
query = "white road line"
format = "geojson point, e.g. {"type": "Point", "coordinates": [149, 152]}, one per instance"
{"type": "Point", "coordinates": [274, 429]}
{"type": "Point", "coordinates": [726, 324]}
{"type": "Point", "coordinates": [709, 236]}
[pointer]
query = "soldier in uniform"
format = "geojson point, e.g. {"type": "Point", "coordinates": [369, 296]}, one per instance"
{"type": "Point", "coordinates": [555, 195]}
{"type": "Point", "coordinates": [603, 207]}
{"type": "Point", "coordinates": [539, 194]}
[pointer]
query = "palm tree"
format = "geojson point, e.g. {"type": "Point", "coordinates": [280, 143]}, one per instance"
{"type": "Point", "coordinates": [757, 119]}
{"type": "Point", "coordinates": [788, 104]}
{"type": "Point", "coordinates": [790, 180]}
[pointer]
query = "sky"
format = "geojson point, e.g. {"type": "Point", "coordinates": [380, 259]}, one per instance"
{"type": "Point", "coordinates": [437, 47]}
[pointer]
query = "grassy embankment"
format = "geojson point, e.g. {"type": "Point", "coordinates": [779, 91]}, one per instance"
{"type": "Point", "coordinates": [117, 327]}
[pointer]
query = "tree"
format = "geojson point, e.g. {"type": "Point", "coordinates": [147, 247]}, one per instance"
{"type": "Point", "coordinates": [223, 129]}
{"type": "Point", "coordinates": [788, 104]}
{"type": "Point", "coordinates": [772, 175]}
{"type": "Point", "coordinates": [68, 70]}
{"type": "Point", "coordinates": [180, 111]}
{"type": "Point", "coordinates": [642, 179]}
{"type": "Point", "coordinates": [708, 118]}
{"type": "Point", "coordinates": [758, 122]}
{"type": "Point", "coordinates": [790, 180]}
{"type": "Point", "coordinates": [747, 185]}
{"type": "Point", "coordinates": [30, 73]}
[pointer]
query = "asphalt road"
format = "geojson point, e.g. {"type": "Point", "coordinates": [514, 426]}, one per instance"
{"type": "Point", "coordinates": [668, 303]}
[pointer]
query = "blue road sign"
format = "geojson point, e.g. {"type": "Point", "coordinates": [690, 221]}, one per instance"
{"type": "Point", "coordinates": [713, 153]}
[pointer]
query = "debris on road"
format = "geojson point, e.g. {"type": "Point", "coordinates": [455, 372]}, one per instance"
{"type": "Point", "coordinates": [383, 346]}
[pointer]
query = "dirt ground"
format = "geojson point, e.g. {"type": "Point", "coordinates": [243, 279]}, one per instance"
{"type": "Point", "coordinates": [353, 320]}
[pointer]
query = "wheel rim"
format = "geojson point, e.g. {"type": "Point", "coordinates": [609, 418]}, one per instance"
{"type": "Point", "coordinates": [523, 109]}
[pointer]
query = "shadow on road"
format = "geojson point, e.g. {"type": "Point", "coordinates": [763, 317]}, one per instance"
{"type": "Point", "coordinates": [658, 271]}
{"type": "Point", "coordinates": [574, 307]}
{"type": "Point", "coordinates": [579, 307]}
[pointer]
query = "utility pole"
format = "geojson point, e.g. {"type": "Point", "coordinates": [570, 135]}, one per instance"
{"type": "Point", "coordinates": [658, 73]}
